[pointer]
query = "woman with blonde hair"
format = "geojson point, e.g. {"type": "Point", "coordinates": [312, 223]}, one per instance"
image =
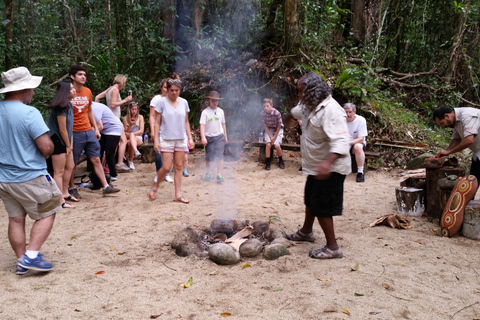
{"type": "Point", "coordinates": [114, 102]}
{"type": "Point", "coordinates": [134, 126]}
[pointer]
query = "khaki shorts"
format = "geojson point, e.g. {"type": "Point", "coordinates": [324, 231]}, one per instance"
{"type": "Point", "coordinates": [39, 197]}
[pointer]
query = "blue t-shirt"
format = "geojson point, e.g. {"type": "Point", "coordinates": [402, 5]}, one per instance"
{"type": "Point", "coordinates": [173, 125]}
{"type": "Point", "coordinates": [20, 158]}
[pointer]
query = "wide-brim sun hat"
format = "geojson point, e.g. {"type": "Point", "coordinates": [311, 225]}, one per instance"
{"type": "Point", "coordinates": [17, 79]}
{"type": "Point", "coordinates": [213, 95]}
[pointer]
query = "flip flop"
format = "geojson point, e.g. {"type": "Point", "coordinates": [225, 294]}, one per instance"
{"type": "Point", "coordinates": [326, 253]}
{"type": "Point", "coordinates": [71, 198]}
{"type": "Point", "coordinates": [452, 217]}
{"type": "Point", "coordinates": [181, 199]}
{"type": "Point", "coordinates": [152, 194]}
{"type": "Point", "coordinates": [68, 205]}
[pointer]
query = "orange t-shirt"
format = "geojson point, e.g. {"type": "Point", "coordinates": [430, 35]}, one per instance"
{"type": "Point", "coordinates": [81, 103]}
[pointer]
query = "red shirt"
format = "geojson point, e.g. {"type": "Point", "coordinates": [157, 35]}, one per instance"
{"type": "Point", "coordinates": [81, 104]}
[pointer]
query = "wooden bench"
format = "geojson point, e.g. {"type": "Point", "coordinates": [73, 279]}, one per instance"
{"type": "Point", "coordinates": [296, 147]}
{"type": "Point", "coordinates": [284, 146]}
{"type": "Point", "coordinates": [232, 149]}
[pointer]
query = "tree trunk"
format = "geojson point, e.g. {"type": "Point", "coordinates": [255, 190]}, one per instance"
{"type": "Point", "coordinates": [457, 45]}
{"type": "Point", "coordinates": [108, 31]}
{"type": "Point", "coordinates": [169, 18]}
{"type": "Point", "coordinates": [358, 21]}
{"type": "Point", "coordinates": [270, 35]}
{"type": "Point", "coordinates": [9, 34]}
{"type": "Point", "coordinates": [291, 28]}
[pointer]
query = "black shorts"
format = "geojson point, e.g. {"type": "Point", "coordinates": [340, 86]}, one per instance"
{"type": "Point", "coordinates": [325, 197]}
{"type": "Point", "coordinates": [475, 168]}
{"type": "Point", "coordinates": [58, 146]}
{"type": "Point", "coordinates": [215, 148]}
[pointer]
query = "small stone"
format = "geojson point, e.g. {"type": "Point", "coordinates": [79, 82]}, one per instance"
{"type": "Point", "coordinates": [275, 251]}
{"type": "Point", "coordinates": [283, 241]}
{"type": "Point", "coordinates": [223, 254]}
{"type": "Point", "coordinates": [251, 248]}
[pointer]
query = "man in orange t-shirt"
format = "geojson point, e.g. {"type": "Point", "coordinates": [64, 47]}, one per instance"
{"type": "Point", "coordinates": [85, 131]}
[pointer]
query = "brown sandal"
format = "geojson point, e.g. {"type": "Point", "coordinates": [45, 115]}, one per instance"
{"type": "Point", "coordinates": [181, 199]}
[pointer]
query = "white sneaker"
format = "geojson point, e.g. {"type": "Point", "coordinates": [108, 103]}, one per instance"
{"type": "Point", "coordinates": [168, 178]}
{"type": "Point", "coordinates": [137, 154]}
{"type": "Point", "coordinates": [155, 179]}
{"type": "Point", "coordinates": [131, 165]}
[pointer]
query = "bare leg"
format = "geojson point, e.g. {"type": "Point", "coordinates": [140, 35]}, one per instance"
{"type": "Point", "coordinates": [58, 163]}
{"type": "Point", "coordinates": [97, 166]}
{"type": "Point", "coordinates": [122, 146]}
{"type": "Point", "coordinates": [67, 174]}
{"type": "Point", "coordinates": [185, 161]}
{"type": "Point", "coordinates": [219, 166]}
{"type": "Point", "coordinates": [327, 226]}
{"type": "Point", "coordinates": [308, 222]}
{"type": "Point", "coordinates": [207, 166]}
{"type": "Point", "coordinates": [166, 165]}
{"type": "Point", "coordinates": [359, 154]}
{"type": "Point", "coordinates": [279, 150]}
{"type": "Point", "coordinates": [16, 235]}
{"type": "Point", "coordinates": [40, 231]}
{"type": "Point", "coordinates": [72, 177]}
{"type": "Point", "coordinates": [178, 158]}
{"type": "Point", "coordinates": [268, 149]}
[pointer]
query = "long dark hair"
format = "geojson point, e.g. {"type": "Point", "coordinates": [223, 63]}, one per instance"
{"type": "Point", "coordinates": [62, 98]}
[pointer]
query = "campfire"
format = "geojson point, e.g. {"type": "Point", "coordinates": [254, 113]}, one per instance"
{"type": "Point", "coordinates": [227, 241]}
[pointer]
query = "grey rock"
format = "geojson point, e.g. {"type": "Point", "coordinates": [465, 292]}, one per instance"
{"type": "Point", "coordinates": [260, 228]}
{"type": "Point", "coordinates": [417, 162]}
{"type": "Point", "coordinates": [187, 241]}
{"type": "Point", "coordinates": [275, 251]}
{"type": "Point", "coordinates": [274, 233]}
{"type": "Point", "coordinates": [251, 248]}
{"type": "Point", "coordinates": [223, 254]}
{"type": "Point", "coordinates": [283, 241]}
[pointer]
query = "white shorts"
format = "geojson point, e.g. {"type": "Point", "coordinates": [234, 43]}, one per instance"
{"type": "Point", "coordinates": [279, 139]}
{"type": "Point", "coordinates": [173, 145]}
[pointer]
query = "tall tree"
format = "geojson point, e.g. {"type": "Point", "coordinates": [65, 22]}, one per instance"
{"type": "Point", "coordinates": [291, 27]}
{"type": "Point", "coordinates": [8, 34]}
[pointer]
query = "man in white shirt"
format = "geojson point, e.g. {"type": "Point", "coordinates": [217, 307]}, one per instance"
{"type": "Point", "coordinates": [357, 129]}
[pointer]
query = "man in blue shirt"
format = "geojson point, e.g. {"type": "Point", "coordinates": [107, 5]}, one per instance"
{"type": "Point", "coordinates": [25, 186]}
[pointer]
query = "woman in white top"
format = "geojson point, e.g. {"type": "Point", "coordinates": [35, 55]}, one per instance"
{"type": "Point", "coordinates": [134, 128]}
{"type": "Point", "coordinates": [171, 120]}
{"type": "Point", "coordinates": [162, 90]}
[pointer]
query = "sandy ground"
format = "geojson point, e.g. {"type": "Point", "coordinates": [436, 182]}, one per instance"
{"type": "Point", "coordinates": [126, 238]}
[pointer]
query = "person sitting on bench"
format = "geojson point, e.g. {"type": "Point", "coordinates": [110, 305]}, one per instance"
{"type": "Point", "coordinates": [272, 121]}
{"type": "Point", "coordinates": [357, 128]}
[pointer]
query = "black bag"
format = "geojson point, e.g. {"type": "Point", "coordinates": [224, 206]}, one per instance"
{"type": "Point", "coordinates": [96, 181]}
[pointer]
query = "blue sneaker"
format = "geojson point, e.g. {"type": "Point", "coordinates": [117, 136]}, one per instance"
{"type": "Point", "coordinates": [220, 178]}
{"type": "Point", "coordinates": [185, 173]}
{"type": "Point", "coordinates": [208, 177]}
{"type": "Point", "coordinates": [37, 264]}
{"type": "Point", "coordinates": [21, 270]}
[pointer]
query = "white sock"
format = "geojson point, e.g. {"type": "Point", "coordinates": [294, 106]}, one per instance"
{"type": "Point", "coordinates": [31, 254]}
{"type": "Point", "coordinates": [360, 169]}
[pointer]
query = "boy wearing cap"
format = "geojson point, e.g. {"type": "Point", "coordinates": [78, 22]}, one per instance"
{"type": "Point", "coordinates": [213, 133]}
{"type": "Point", "coordinates": [25, 186]}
